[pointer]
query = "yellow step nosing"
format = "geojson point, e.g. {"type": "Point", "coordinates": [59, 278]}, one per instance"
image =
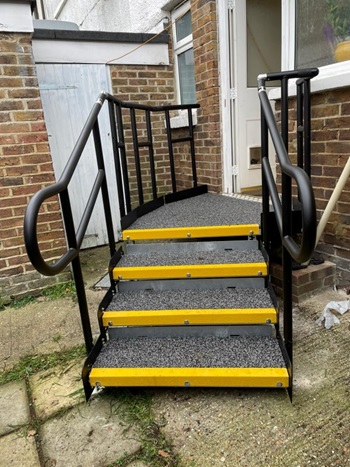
{"type": "Point", "coordinates": [190, 316]}
{"type": "Point", "coordinates": [191, 232]}
{"type": "Point", "coordinates": [205, 377]}
{"type": "Point", "coordinates": [190, 271]}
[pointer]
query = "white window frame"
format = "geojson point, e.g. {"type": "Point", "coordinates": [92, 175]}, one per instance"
{"type": "Point", "coordinates": [331, 76]}
{"type": "Point", "coordinates": [180, 46]}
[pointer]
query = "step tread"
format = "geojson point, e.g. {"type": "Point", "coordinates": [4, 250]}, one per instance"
{"type": "Point", "coordinates": [191, 299]}
{"type": "Point", "coordinates": [193, 258]}
{"type": "Point", "coordinates": [191, 352]}
{"type": "Point", "coordinates": [204, 210]}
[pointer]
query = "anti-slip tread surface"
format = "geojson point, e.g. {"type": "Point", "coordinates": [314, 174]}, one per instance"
{"type": "Point", "coordinates": [191, 299]}
{"type": "Point", "coordinates": [204, 210]}
{"type": "Point", "coordinates": [193, 258]}
{"type": "Point", "coordinates": [191, 352]}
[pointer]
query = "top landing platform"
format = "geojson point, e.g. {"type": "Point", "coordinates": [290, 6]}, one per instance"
{"type": "Point", "coordinates": [203, 216]}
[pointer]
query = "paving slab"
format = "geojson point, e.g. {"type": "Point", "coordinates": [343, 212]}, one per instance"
{"type": "Point", "coordinates": [18, 450]}
{"type": "Point", "coordinates": [56, 389]}
{"type": "Point", "coordinates": [14, 409]}
{"type": "Point", "coordinates": [89, 435]}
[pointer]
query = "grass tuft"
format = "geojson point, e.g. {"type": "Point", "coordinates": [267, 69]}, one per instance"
{"type": "Point", "coordinates": [135, 407]}
{"type": "Point", "coordinates": [34, 363]}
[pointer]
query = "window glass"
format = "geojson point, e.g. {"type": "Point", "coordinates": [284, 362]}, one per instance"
{"type": "Point", "coordinates": [320, 27]}
{"type": "Point", "coordinates": [183, 54]}
{"type": "Point", "coordinates": [186, 77]}
{"type": "Point", "coordinates": [184, 26]}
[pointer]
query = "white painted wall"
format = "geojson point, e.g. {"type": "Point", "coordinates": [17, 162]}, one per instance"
{"type": "Point", "coordinates": [120, 53]}
{"type": "Point", "coordinates": [15, 17]}
{"type": "Point", "coordinates": [110, 15]}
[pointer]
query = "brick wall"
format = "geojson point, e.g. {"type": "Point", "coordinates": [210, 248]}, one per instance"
{"type": "Point", "coordinates": [155, 85]}
{"type": "Point", "coordinates": [25, 167]}
{"type": "Point", "coordinates": [207, 135]}
{"type": "Point", "coordinates": [150, 85]}
{"type": "Point", "coordinates": [330, 149]}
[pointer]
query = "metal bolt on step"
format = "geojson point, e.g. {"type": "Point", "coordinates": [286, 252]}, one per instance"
{"type": "Point", "coordinates": [268, 321]}
{"type": "Point", "coordinates": [187, 384]}
{"type": "Point", "coordinates": [188, 235]}
{"type": "Point", "coordinates": [120, 277]}
{"type": "Point", "coordinates": [186, 322]}
{"type": "Point", "coordinates": [110, 323]}
{"type": "Point", "coordinates": [260, 273]}
{"type": "Point", "coordinates": [251, 233]}
{"type": "Point", "coordinates": [128, 237]}
{"type": "Point", "coordinates": [188, 275]}
{"type": "Point", "coordinates": [279, 385]}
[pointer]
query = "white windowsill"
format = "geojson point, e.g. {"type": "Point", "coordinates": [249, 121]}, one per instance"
{"type": "Point", "coordinates": [330, 77]}
{"type": "Point", "coordinates": [181, 120]}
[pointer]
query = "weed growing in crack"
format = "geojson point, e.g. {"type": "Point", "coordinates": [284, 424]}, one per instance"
{"type": "Point", "coordinates": [135, 408]}
{"type": "Point", "coordinates": [34, 363]}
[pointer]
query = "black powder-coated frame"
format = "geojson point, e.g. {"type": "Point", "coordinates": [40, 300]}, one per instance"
{"type": "Point", "coordinates": [300, 174]}
{"type": "Point", "coordinates": [75, 236]}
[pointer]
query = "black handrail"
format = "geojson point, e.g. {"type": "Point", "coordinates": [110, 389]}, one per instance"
{"type": "Point", "coordinates": [300, 253]}
{"type": "Point", "coordinates": [283, 210]}
{"type": "Point", "coordinates": [74, 236]}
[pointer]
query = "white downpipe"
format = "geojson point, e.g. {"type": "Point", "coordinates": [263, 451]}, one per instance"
{"type": "Point", "coordinates": [333, 200]}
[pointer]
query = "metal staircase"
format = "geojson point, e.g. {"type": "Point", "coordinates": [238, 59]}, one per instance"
{"type": "Point", "coordinates": [190, 302]}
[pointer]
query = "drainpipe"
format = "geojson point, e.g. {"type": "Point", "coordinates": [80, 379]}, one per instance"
{"type": "Point", "coordinates": [59, 9]}
{"type": "Point", "coordinates": [333, 200]}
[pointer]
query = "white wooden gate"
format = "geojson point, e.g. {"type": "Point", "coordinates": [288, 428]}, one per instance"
{"type": "Point", "coordinates": [68, 92]}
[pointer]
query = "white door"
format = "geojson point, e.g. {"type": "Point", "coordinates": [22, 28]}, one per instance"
{"type": "Point", "coordinates": [68, 92]}
{"type": "Point", "coordinates": [257, 49]}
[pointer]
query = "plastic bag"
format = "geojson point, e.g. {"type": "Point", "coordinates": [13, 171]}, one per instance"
{"type": "Point", "coordinates": [328, 317]}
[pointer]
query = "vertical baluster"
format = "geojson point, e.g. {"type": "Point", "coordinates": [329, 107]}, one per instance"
{"type": "Point", "coordinates": [121, 146]}
{"type": "Point", "coordinates": [300, 123]}
{"type": "Point", "coordinates": [307, 126]}
{"type": "Point", "coordinates": [151, 153]}
{"type": "Point", "coordinates": [193, 154]}
{"type": "Point", "coordinates": [104, 188]}
{"type": "Point", "coordinates": [170, 148]}
{"type": "Point", "coordinates": [136, 155]}
{"type": "Point", "coordinates": [116, 158]}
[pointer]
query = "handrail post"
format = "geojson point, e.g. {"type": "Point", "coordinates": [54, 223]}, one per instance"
{"type": "Point", "coordinates": [286, 231]}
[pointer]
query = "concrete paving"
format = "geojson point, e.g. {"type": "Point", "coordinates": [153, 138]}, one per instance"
{"type": "Point", "coordinates": [14, 408]}
{"type": "Point", "coordinates": [45, 422]}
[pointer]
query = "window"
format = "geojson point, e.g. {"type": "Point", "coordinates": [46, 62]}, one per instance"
{"type": "Point", "coordinates": [310, 36]}
{"type": "Point", "coordinates": [321, 27]}
{"type": "Point", "coordinates": [183, 54]}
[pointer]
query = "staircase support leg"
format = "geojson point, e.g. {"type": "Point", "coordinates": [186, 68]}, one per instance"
{"type": "Point", "coordinates": [83, 306]}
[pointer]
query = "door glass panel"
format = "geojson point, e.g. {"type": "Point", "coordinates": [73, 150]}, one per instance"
{"type": "Point", "coordinates": [263, 38]}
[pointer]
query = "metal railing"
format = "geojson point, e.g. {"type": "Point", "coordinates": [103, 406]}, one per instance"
{"type": "Point", "coordinates": [302, 250]}
{"type": "Point", "coordinates": [75, 236]}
